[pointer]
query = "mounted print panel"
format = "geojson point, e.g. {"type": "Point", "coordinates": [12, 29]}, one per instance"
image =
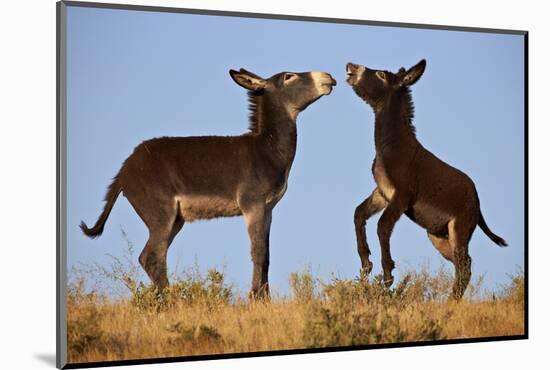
{"type": "Point", "coordinates": [237, 184]}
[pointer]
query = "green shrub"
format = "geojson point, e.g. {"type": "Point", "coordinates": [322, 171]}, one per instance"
{"type": "Point", "coordinates": [123, 277]}
{"type": "Point", "coordinates": [362, 311]}
{"type": "Point", "coordinates": [303, 286]}
{"type": "Point", "coordinates": [514, 291]}
{"type": "Point", "coordinates": [190, 287]}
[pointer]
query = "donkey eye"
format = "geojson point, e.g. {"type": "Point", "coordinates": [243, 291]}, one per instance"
{"type": "Point", "coordinates": [381, 75]}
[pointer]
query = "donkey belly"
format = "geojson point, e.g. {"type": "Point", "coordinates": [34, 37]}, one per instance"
{"type": "Point", "coordinates": [429, 217]}
{"type": "Point", "coordinates": [201, 207]}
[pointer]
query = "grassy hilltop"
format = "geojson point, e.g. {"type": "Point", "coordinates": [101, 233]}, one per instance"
{"type": "Point", "coordinates": [201, 314]}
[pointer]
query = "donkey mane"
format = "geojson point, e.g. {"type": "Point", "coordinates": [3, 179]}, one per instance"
{"type": "Point", "coordinates": [407, 110]}
{"type": "Point", "coordinates": [394, 117]}
{"type": "Point", "coordinates": [255, 111]}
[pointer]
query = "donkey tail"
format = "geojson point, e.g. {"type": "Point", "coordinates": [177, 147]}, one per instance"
{"type": "Point", "coordinates": [495, 238]}
{"type": "Point", "coordinates": [110, 198]}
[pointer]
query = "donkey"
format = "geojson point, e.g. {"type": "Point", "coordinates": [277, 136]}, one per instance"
{"type": "Point", "coordinates": [411, 180]}
{"type": "Point", "coordinates": [173, 180]}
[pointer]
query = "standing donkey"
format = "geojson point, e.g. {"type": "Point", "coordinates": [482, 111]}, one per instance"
{"type": "Point", "coordinates": [411, 180]}
{"type": "Point", "coordinates": [173, 180]}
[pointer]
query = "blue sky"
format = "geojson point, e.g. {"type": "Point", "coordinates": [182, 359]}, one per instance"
{"type": "Point", "coordinates": [135, 75]}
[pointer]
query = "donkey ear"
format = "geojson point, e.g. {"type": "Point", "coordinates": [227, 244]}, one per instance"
{"type": "Point", "coordinates": [242, 70]}
{"type": "Point", "coordinates": [413, 74]}
{"type": "Point", "coordinates": [247, 79]}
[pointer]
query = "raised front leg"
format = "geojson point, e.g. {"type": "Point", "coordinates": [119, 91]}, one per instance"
{"type": "Point", "coordinates": [258, 222]}
{"type": "Point", "coordinates": [395, 208]}
{"type": "Point", "coordinates": [370, 206]}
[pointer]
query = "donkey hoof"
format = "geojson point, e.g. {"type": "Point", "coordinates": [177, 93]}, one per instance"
{"type": "Point", "coordinates": [366, 268]}
{"type": "Point", "coordinates": [388, 282]}
{"type": "Point", "coordinates": [260, 294]}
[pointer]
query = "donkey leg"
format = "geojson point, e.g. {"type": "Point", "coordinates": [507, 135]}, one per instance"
{"type": "Point", "coordinates": [370, 206]}
{"type": "Point", "coordinates": [257, 218]}
{"type": "Point", "coordinates": [459, 237]}
{"type": "Point", "coordinates": [161, 234]}
{"type": "Point", "coordinates": [176, 227]}
{"type": "Point", "coordinates": [153, 258]}
{"type": "Point", "coordinates": [395, 208]}
{"type": "Point", "coordinates": [443, 246]}
{"type": "Point", "coordinates": [265, 265]}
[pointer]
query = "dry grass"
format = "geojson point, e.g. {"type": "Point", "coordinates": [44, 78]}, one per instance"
{"type": "Point", "coordinates": [200, 314]}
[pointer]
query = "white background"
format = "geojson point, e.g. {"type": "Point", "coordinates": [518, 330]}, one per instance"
{"type": "Point", "coordinates": [27, 173]}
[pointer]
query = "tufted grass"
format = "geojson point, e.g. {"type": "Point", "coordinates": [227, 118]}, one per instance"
{"type": "Point", "coordinates": [202, 314]}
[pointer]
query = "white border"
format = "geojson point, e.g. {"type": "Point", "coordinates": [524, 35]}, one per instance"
{"type": "Point", "coordinates": [27, 152]}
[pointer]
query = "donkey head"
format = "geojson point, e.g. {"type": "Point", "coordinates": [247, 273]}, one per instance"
{"type": "Point", "coordinates": [292, 91]}
{"type": "Point", "coordinates": [376, 86]}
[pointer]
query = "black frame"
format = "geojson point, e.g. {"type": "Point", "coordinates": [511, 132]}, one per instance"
{"type": "Point", "coordinates": [61, 261]}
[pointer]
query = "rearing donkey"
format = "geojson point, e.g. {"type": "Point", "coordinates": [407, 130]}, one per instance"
{"type": "Point", "coordinates": [173, 180]}
{"type": "Point", "coordinates": [411, 180]}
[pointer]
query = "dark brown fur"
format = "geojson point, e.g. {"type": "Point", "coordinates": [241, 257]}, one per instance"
{"type": "Point", "coordinates": [413, 181]}
{"type": "Point", "coordinates": [173, 180]}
